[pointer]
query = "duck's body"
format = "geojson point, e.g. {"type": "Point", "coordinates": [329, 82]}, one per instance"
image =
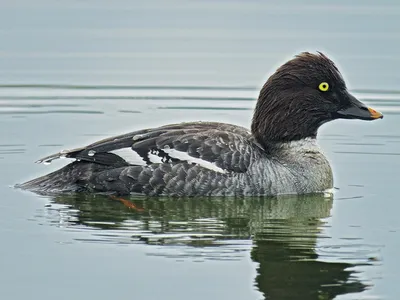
{"type": "Point", "coordinates": [190, 159]}
{"type": "Point", "coordinates": [278, 156]}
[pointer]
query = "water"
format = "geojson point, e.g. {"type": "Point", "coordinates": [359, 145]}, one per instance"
{"type": "Point", "coordinates": [75, 72]}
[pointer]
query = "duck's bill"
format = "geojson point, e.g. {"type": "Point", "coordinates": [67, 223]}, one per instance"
{"type": "Point", "coordinates": [358, 110]}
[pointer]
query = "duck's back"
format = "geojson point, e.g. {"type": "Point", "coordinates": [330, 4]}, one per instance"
{"type": "Point", "coordinates": [186, 159]}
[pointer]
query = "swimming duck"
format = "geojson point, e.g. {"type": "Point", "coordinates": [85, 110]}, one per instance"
{"type": "Point", "coordinates": [279, 155]}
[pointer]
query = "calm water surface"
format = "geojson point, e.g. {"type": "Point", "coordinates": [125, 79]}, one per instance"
{"type": "Point", "coordinates": [75, 72]}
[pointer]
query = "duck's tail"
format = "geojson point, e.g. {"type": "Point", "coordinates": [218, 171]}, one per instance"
{"type": "Point", "coordinates": [70, 178]}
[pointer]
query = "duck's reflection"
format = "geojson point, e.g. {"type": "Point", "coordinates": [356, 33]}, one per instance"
{"type": "Point", "coordinates": [283, 232]}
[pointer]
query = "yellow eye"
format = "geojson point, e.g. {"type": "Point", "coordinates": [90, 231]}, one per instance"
{"type": "Point", "coordinates": [323, 86]}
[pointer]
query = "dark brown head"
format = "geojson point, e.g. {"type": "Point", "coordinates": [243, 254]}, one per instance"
{"type": "Point", "coordinates": [300, 96]}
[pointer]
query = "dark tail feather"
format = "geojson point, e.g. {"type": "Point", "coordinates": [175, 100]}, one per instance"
{"type": "Point", "coordinates": [68, 179]}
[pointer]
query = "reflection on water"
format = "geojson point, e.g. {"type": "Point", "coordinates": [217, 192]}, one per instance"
{"type": "Point", "coordinates": [280, 233]}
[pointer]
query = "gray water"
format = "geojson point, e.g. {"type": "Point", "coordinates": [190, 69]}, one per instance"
{"type": "Point", "coordinates": [73, 72]}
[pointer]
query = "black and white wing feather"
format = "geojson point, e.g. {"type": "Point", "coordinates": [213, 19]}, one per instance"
{"type": "Point", "coordinates": [219, 147]}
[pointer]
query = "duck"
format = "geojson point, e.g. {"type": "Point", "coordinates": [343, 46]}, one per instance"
{"type": "Point", "coordinates": [277, 155]}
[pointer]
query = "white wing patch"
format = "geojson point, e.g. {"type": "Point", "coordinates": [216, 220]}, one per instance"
{"type": "Point", "coordinates": [133, 158]}
{"type": "Point", "coordinates": [154, 158]}
{"type": "Point", "coordinates": [130, 156]}
{"type": "Point", "coordinates": [186, 157]}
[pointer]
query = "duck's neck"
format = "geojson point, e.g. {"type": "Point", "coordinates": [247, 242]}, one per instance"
{"type": "Point", "coordinates": [306, 145]}
{"type": "Point", "coordinates": [273, 133]}
{"type": "Point", "coordinates": [281, 117]}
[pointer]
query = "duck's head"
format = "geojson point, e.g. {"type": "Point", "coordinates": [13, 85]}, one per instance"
{"type": "Point", "coordinates": [300, 96]}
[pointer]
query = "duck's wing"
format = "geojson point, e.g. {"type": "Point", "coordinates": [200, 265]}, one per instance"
{"type": "Point", "coordinates": [216, 146]}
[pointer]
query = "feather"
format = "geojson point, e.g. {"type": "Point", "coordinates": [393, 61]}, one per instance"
{"type": "Point", "coordinates": [219, 147]}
